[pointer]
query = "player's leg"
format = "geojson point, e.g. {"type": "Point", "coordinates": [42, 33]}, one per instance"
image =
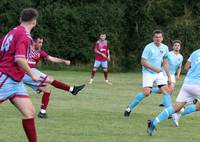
{"type": "Point", "coordinates": [105, 71]}
{"type": "Point", "coordinates": [171, 89]}
{"type": "Point", "coordinates": [64, 86]}
{"type": "Point", "coordinates": [163, 116]}
{"type": "Point", "coordinates": [25, 106]}
{"type": "Point", "coordinates": [96, 66]}
{"type": "Point", "coordinates": [183, 97]}
{"type": "Point", "coordinates": [148, 80]}
{"type": "Point", "coordinates": [162, 84]}
{"type": "Point", "coordinates": [193, 93]}
{"type": "Point", "coordinates": [139, 97]}
{"type": "Point", "coordinates": [45, 101]}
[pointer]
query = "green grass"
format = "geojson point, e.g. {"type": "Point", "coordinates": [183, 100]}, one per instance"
{"type": "Point", "coordinates": [96, 114]}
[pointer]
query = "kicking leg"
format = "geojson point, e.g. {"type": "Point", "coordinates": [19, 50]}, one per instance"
{"type": "Point", "coordinates": [64, 86]}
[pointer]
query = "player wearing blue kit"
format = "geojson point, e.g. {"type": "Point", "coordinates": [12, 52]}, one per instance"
{"type": "Point", "coordinates": [190, 90]}
{"type": "Point", "coordinates": [175, 60]}
{"type": "Point", "coordinates": [154, 55]}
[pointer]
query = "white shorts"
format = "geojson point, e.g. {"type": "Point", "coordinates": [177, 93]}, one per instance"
{"type": "Point", "coordinates": [188, 93]}
{"type": "Point", "coordinates": [149, 79]}
{"type": "Point", "coordinates": [173, 78]}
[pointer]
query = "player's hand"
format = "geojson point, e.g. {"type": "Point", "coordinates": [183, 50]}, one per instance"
{"type": "Point", "coordinates": [158, 70]}
{"type": "Point", "coordinates": [104, 56]}
{"type": "Point", "coordinates": [67, 62]}
{"type": "Point", "coordinates": [35, 77]}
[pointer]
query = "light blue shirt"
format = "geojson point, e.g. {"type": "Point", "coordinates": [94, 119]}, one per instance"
{"type": "Point", "coordinates": [193, 75]}
{"type": "Point", "coordinates": [174, 61]}
{"type": "Point", "coordinates": [154, 56]}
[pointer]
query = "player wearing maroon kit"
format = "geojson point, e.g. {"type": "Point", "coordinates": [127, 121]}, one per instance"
{"type": "Point", "coordinates": [13, 65]}
{"type": "Point", "coordinates": [42, 85]}
{"type": "Point", "coordinates": [102, 56]}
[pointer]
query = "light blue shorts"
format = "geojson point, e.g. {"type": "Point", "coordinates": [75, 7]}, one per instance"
{"type": "Point", "coordinates": [98, 64]}
{"type": "Point", "coordinates": [10, 88]}
{"type": "Point", "coordinates": [35, 85]}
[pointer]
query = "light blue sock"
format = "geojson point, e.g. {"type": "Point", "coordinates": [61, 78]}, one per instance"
{"type": "Point", "coordinates": [163, 115]}
{"type": "Point", "coordinates": [163, 101]}
{"type": "Point", "coordinates": [155, 90]}
{"type": "Point", "coordinates": [167, 100]}
{"type": "Point", "coordinates": [140, 96]}
{"type": "Point", "coordinates": [189, 109]}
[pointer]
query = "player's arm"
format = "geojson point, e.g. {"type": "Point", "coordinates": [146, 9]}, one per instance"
{"type": "Point", "coordinates": [147, 65]}
{"type": "Point", "coordinates": [187, 66]}
{"type": "Point", "coordinates": [98, 52]}
{"type": "Point", "coordinates": [108, 55]}
{"type": "Point", "coordinates": [178, 72]}
{"type": "Point", "coordinates": [22, 62]}
{"type": "Point", "coordinates": [57, 60]}
{"type": "Point", "coordinates": [166, 67]}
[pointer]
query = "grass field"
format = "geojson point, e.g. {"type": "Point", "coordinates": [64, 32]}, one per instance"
{"type": "Point", "coordinates": [96, 114]}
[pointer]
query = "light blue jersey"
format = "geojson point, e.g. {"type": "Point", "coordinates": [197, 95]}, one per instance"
{"type": "Point", "coordinates": [174, 61]}
{"type": "Point", "coordinates": [154, 56]}
{"type": "Point", "coordinates": [193, 75]}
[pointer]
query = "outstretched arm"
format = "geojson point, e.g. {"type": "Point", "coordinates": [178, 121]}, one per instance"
{"type": "Point", "coordinates": [58, 60]}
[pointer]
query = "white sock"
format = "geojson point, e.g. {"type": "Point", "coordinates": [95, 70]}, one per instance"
{"type": "Point", "coordinates": [43, 111]}
{"type": "Point", "coordinates": [71, 88]}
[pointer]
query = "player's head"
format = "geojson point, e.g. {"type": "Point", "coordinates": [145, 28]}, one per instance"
{"type": "Point", "coordinates": [102, 36]}
{"type": "Point", "coordinates": [176, 45]}
{"type": "Point", "coordinates": [157, 37]}
{"type": "Point", "coordinates": [29, 16]}
{"type": "Point", "coordinates": [37, 42]}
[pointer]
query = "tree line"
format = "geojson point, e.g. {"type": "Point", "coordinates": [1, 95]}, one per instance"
{"type": "Point", "coordinates": [71, 27]}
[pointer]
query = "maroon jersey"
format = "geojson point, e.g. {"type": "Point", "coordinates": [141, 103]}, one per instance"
{"type": "Point", "coordinates": [34, 56]}
{"type": "Point", "coordinates": [101, 46]}
{"type": "Point", "coordinates": [15, 44]}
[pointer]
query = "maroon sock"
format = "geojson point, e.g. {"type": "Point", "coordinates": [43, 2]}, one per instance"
{"type": "Point", "coordinates": [60, 85]}
{"type": "Point", "coordinates": [30, 130]}
{"type": "Point", "coordinates": [93, 73]}
{"type": "Point", "coordinates": [105, 74]}
{"type": "Point", "coordinates": [45, 100]}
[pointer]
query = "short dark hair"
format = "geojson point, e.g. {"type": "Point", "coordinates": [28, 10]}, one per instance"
{"type": "Point", "coordinates": [35, 37]}
{"type": "Point", "coordinates": [176, 41]}
{"type": "Point", "coordinates": [157, 32]}
{"type": "Point", "coordinates": [28, 14]}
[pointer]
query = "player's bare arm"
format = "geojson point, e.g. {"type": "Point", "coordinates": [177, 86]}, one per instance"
{"type": "Point", "coordinates": [147, 65]}
{"type": "Point", "coordinates": [178, 72]}
{"type": "Point", "coordinates": [187, 66]}
{"type": "Point", "coordinates": [58, 60]}
{"type": "Point", "coordinates": [108, 55]}
{"type": "Point", "coordinates": [22, 62]}
{"type": "Point", "coordinates": [166, 67]}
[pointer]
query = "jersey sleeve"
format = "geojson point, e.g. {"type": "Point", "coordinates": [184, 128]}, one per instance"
{"type": "Point", "coordinates": [21, 47]}
{"type": "Point", "coordinates": [145, 53]}
{"type": "Point", "coordinates": [43, 54]}
{"type": "Point", "coordinates": [166, 53]}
